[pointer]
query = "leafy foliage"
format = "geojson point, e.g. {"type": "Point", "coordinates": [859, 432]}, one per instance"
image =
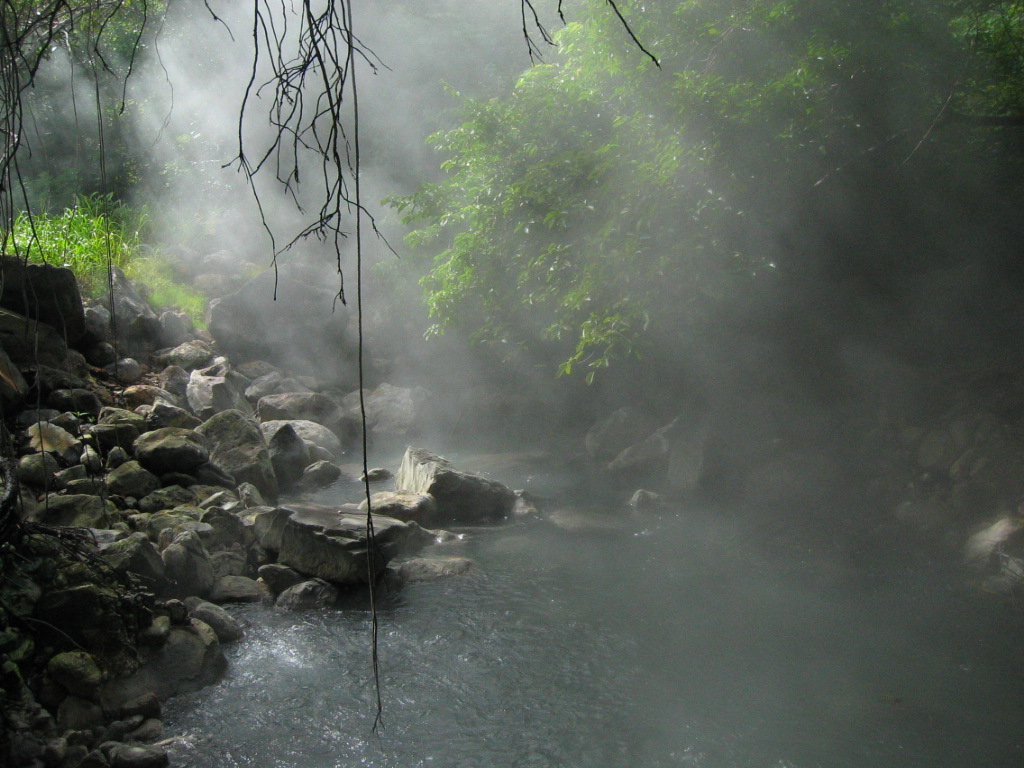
{"type": "Point", "coordinates": [605, 203]}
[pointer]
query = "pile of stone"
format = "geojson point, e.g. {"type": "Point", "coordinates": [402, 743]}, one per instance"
{"type": "Point", "coordinates": [163, 462]}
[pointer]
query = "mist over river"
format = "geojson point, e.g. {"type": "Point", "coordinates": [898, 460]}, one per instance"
{"type": "Point", "coordinates": [697, 637]}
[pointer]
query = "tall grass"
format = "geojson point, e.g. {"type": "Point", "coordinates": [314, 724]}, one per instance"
{"type": "Point", "coordinates": [94, 234]}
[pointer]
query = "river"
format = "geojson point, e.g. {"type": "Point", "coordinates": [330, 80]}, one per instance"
{"type": "Point", "coordinates": [696, 637]}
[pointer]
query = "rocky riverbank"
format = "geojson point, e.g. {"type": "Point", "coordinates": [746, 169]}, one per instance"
{"type": "Point", "coordinates": [158, 472]}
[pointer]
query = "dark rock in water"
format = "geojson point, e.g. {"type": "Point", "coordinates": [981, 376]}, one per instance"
{"type": "Point", "coordinates": [136, 554]}
{"type": "Point", "coordinates": [320, 474]}
{"type": "Point", "coordinates": [460, 496]}
{"type": "Point", "coordinates": [131, 479]}
{"type": "Point", "coordinates": [377, 475]}
{"type": "Point", "coordinates": [403, 505]}
{"type": "Point", "coordinates": [427, 569]}
{"type": "Point", "coordinates": [308, 595]}
{"type": "Point", "coordinates": [289, 319]}
{"type": "Point", "coordinates": [135, 756]}
{"type": "Point", "coordinates": [236, 589]}
{"type": "Point", "coordinates": [171, 449]}
{"type": "Point", "coordinates": [288, 454]}
{"type": "Point", "coordinates": [646, 501]}
{"type": "Point", "coordinates": [187, 566]}
{"type": "Point", "coordinates": [46, 294]}
{"type": "Point", "coordinates": [190, 659]}
{"type": "Point", "coordinates": [240, 450]}
{"type": "Point", "coordinates": [279, 577]}
{"type": "Point", "coordinates": [219, 620]}
{"type": "Point", "coordinates": [323, 543]}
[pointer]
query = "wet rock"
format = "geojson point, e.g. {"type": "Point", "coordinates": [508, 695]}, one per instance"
{"type": "Point", "coordinates": [427, 569]}
{"type": "Point", "coordinates": [236, 589]}
{"type": "Point", "coordinates": [150, 730]}
{"type": "Point", "coordinates": [460, 496]}
{"type": "Point", "coordinates": [320, 474]}
{"type": "Point", "coordinates": [279, 577]}
{"type": "Point", "coordinates": [240, 450]}
{"type": "Point", "coordinates": [171, 449]}
{"type": "Point", "coordinates": [268, 525]}
{"type": "Point", "coordinates": [314, 594]}
{"type": "Point", "coordinates": [80, 510]}
{"type": "Point", "coordinates": [168, 498]}
{"type": "Point", "coordinates": [323, 543]}
{"type": "Point", "coordinates": [135, 756]}
{"type": "Point", "coordinates": [131, 479]}
{"type": "Point", "coordinates": [166, 414]}
{"type": "Point", "coordinates": [403, 505]}
{"type": "Point", "coordinates": [288, 455]}
{"type": "Point", "coordinates": [77, 672]}
{"type": "Point", "coordinates": [136, 554]}
{"type": "Point", "coordinates": [377, 475]}
{"type": "Point", "coordinates": [219, 620]}
{"type": "Point", "coordinates": [310, 432]}
{"type": "Point", "coordinates": [190, 659]}
{"type": "Point", "coordinates": [187, 566]}
{"type": "Point", "coordinates": [75, 401]}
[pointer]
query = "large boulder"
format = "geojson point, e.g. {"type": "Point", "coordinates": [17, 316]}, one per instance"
{"type": "Point", "coordinates": [310, 406]}
{"type": "Point", "coordinates": [136, 554]}
{"type": "Point", "coordinates": [136, 325]}
{"type": "Point", "coordinates": [460, 496]}
{"type": "Point", "coordinates": [288, 454]}
{"type": "Point", "coordinates": [209, 393]}
{"type": "Point", "coordinates": [333, 546]}
{"type": "Point", "coordinates": [403, 505]}
{"type": "Point", "coordinates": [187, 566]}
{"type": "Point", "coordinates": [393, 411]}
{"type": "Point", "coordinates": [289, 318]}
{"type": "Point", "coordinates": [240, 449]}
{"type": "Point", "coordinates": [44, 293]}
{"type": "Point", "coordinates": [131, 479]}
{"type": "Point", "coordinates": [171, 449]}
{"type": "Point", "coordinates": [78, 510]}
{"type": "Point", "coordinates": [311, 433]}
{"type": "Point", "coordinates": [28, 342]}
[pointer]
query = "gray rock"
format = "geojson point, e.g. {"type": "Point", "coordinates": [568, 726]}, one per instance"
{"type": "Point", "coordinates": [100, 354]}
{"type": "Point", "coordinates": [403, 505]}
{"type": "Point", "coordinates": [171, 449]}
{"type": "Point", "coordinates": [126, 371]}
{"type": "Point", "coordinates": [77, 672]}
{"type": "Point", "coordinates": [320, 474]}
{"type": "Point", "coordinates": [310, 432]}
{"type": "Point", "coordinates": [209, 394]}
{"type": "Point", "coordinates": [616, 432]}
{"type": "Point", "coordinates": [305, 406]}
{"type": "Point", "coordinates": [187, 566]}
{"type": "Point", "coordinates": [168, 498]}
{"type": "Point", "coordinates": [174, 379]}
{"type": "Point", "coordinates": [79, 510]}
{"type": "Point", "coordinates": [44, 293]}
{"type": "Point", "coordinates": [175, 329]}
{"type": "Point", "coordinates": [427, 569]}
{"type": "Point", "coordinates": [236, 589]}
{"type": "Point", "coordinates": [189, 355]}
{"type": "Point", "coordinates": [166, 414]}
{"type": "Point", "coordinates": [135, 756]}
{"type": "Point", "coordinates": [116, 457]}
{"type": "Point", "coordinates": [151, 729]}
{"type": "Point", "coordinates": [460, 496]}
{"type": "Point", "coordinates": [108, 436]}
{"type": "Point", "coordinates": [308, 595]}
{"type": "Point", "coordinates": [240, 450]}
{"type": "Point", "coordinates": [190, 659]}
{"type": "Point", "coordinates": [136, 325]}
{"type": "Point", "coordinates": [44, 436]}
{"type": "Point", "coordinates": [288, 454]}
{"type": "Point", "coordinates": [219, 620]}
{"type": "Point", "coordinates": [146, 394]}
{"type": "Point", "coordinates": [394, 411]}
{"type": "Point", "coordinates": [323, 543]}
{"type": "Point", "coordinates": [279, 577]}
{"type": "Point", "coordinates": [131, 479]}
{"type": "Point", "coordinates": [136, 554]}
{"type": "Point", "coordinates": [268, 525]}
{"type": "Point", "coordinates": [230, 562]}
{"type": "Point", "coordinates": [75, 401]}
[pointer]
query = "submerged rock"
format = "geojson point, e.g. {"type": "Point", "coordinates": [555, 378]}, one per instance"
{"type": "Point", "coordinates": [307, 595]}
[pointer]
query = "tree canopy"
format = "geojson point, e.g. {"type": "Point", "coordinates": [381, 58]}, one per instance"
{"type": "Point", "coordinates": [605, 203]}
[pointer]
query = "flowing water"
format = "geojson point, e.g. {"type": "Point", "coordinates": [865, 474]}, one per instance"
{"type": "Point", "coordinates": [693, 638]}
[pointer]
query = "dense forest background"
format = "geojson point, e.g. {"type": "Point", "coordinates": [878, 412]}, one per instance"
{"type": "Point", "coordinates": [791, 207]}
